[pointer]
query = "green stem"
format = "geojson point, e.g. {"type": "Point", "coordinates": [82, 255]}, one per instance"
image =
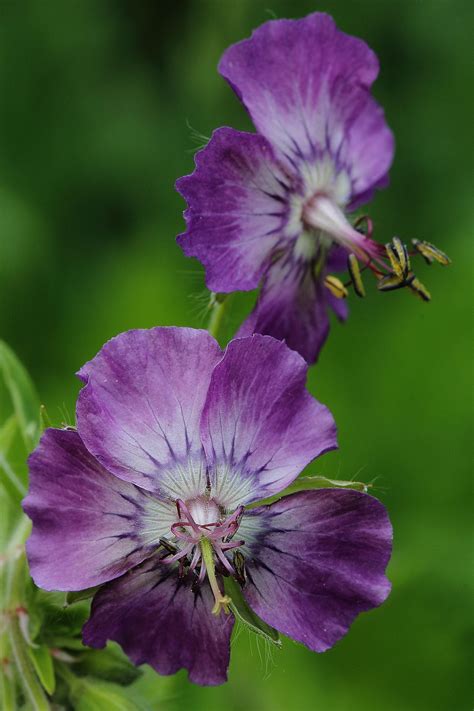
{"type": "Point", "coordinates": [7, 686]}
{"type": "Point", "coordinates": [221, 601]}
{"type": "Point", "coordinates": [219, 304]}
{"type": "Point", "coordinates": [31, 686]}
{"type": "Point", "coordinates": [13, 594]}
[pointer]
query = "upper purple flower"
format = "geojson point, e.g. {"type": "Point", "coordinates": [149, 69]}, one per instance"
{"type": "Point", "coordinates": [147, 498]}
{"type": "Point", "coordinates": [272, 205]}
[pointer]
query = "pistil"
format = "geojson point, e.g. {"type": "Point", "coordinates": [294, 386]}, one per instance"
{"type": "Point", "coordinates": [221, 601]}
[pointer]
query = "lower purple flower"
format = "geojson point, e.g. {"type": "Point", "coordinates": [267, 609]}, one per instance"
{"type": "Point", "coordinates": [148, 498]}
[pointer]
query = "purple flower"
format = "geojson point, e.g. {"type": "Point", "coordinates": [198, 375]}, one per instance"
{"type": "Point", "coordinates": [148, 499]}
{"type": "Point", "coordinates": [270, 208]}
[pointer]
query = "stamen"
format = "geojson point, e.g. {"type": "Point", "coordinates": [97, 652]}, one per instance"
{"type": "Point", "coordinates": [356, 277]}
{"type": "Point", "coordinates": [335, 286]}
{"type": "Point", "coordinates": [221, 601]}
{"type": "Point", "coordinates": [430, 253]}
{"type": "Point", "coordinates": [239, 566]}
{"type": "Point", "coordinates": [168, 546]}
{"type": "Point", "coordinates": [399, 259]}
{"type": "Point", "coordinates": [420, 289]}
{"type": "Point", "coordinates": [390, 282]}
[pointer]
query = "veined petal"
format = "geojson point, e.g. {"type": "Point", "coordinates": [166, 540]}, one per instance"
{"type": "Point", "coordinates": [158, 620]}
{"type": "Point", "coordinates": [314, 561]}
{"type": "Point", "coordinates": [237, 209]}
{"type": "Point", "coordinates": [306, 86]}
{"type": "Point", "coordinates": [260, 427]}
{"type": "Point", "coordinates": [88, 525]}
{"type": "Point", "coordinates": [140, 409]}
{"type": "Point", "coordinates": [291, 306]}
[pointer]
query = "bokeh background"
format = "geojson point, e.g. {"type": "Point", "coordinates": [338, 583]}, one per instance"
{"type": "Point", "coordinates": [102, 107]}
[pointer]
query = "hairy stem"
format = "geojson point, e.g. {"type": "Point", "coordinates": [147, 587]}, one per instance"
{"type": "Point", "coordinates": [219, 305]}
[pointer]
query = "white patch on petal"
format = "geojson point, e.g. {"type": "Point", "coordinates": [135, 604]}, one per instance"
{"type": "Point", "coordinates": [318, 177]}
{"type": "Point", "coordinates": [184, 480]}
{"type": "Point", "coordinates": [305, 247]}
{"type": "Point", "coordinates": [230, 488]}
{"type": "Point", "coordinates": [155, 520]}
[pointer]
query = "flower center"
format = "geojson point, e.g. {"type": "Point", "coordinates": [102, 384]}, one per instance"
{"type": "Point", "coordinates": [203, 538]}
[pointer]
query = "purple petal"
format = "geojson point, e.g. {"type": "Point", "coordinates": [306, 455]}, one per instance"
{"type": "Point", "coordinates": [291, 306]}
{"type": "Point", "coordinates": [159, 620]}
{"type": "Point", "coordinates": [315, 560]}
{"type": "Point", "coordinates": [139, 412]}
{"type": "Point", "coordinates": [260, 427]}
{"type": "Point", "coordinates": [305, 84]}
{"type": "Point", "coordinates": [237, 209]}
{"type": "Point", "coordinates": [88, 525]}
{"type": "Point", "coordinates": [339, 306]}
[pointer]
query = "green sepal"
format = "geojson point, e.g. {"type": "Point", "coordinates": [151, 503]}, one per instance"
{"type": "Point", "coordinates": [244, 614]}
{"type": "Point", "coordinates": [73, 597]}
{"type": "Point", "coordinates": [322, 482]}
{"type": "Point", "coordinates": [26, 404]}
{"type": "Point", "coordinates": [43, 664]}
{"type": "Point", "coordinates": [308, 483]}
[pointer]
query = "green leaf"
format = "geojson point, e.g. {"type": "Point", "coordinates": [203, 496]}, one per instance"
{"type": "Point", "coordinates": [89, 694]}
{"type": "Point", "coordinates": [43, 664]}
{"type": "Point", "coordinates": [26, 404]}
{"type": "Point", "coordinates": [73, 597]}
{"type": "Point", "coordinates": [244, 614]}
{"type": "Point", "coordinates": [109, 664]}
{"type": "Point", "coordinates": [7, 434]}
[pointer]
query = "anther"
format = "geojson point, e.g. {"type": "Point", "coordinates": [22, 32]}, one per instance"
{"type": "Point", "coordinates": [356, 277]}
{"type": "Point", "coordinates": [239, 567]}
{"type": "Point", "coordinates": [335, 286]}
{"type": "Point", "coordinates": [420, 289]}
{"type": "Point", "coordinates": [430, 253]}
{"type": "Point", "coordinates": [398, 256]}
{"type": "Point", "coordinates": [168, 546]}
{"type": "Point", "coordinates": [390, 282]}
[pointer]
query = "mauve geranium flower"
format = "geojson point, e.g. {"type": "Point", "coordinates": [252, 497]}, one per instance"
{"type": "Point", "coordinates": [270, 208]}
{"type": "Point", "coordinates": [148, 499]}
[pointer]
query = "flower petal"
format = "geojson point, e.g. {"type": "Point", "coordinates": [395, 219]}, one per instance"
{"type": "Point", "coordinates": [260, 427]}
{"type": "Point", "coordinates": [139, 412]}
{"type": "Point", "coordinates": [157, 619]}
{"type": "Point", "coordinates": [237, 209]}
{"type": "Point", "coordinates": [88, 525]}
{"type": "Point", "coordinates": [291, 306]}
{"type": "Point", "coordinates": [314, 561]}
{"type": "Point", "coordinates": [306, 86]}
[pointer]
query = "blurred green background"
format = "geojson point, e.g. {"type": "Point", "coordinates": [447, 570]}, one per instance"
{"type": "Point", "coordinates": [100, 103]}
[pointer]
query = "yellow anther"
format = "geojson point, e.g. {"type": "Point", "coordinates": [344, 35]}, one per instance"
{"type": "Point", "coordinates": [390, 282]}
{"type": "Point", "coordinates": [336, 287]}
{"type": "Point", "coordinates": [430, 252]}
{"type": "Point", "coordinates": [399, 259]}
{"type": "Point", "coordinates": [356, 277]}
{"type": "Point", "coordinates": [420, 289]}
